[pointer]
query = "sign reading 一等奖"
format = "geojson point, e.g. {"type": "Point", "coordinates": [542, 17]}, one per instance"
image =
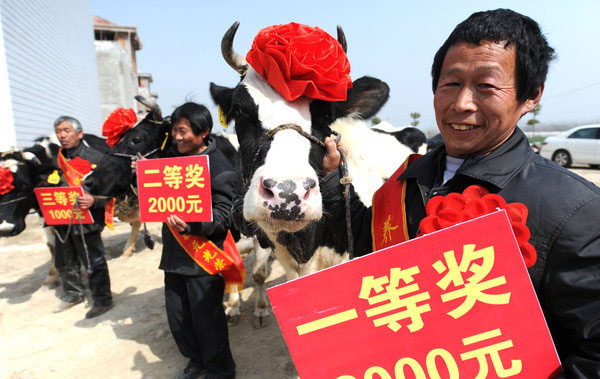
{"type": "Point", "coordinates": [454, 303]}
{"type": "Point", "coordinates": [174, 186]}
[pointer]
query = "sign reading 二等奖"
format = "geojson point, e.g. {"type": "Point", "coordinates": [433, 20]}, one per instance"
{"type": "Point", "coordinates": [174, 186]}
{"type": "Point", "coordinates": [56, 204]}
{"type": "Point", "coordinates": [454, 303]}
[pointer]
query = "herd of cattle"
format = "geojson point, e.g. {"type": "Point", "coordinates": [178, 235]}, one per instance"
{"type": "Point", "coordinates": [280, 209]}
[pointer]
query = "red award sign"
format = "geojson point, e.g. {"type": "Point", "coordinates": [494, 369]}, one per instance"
{"type": "Point", "coordinates": [57, 205]}
{"type": "Point", "coordinates": [454, 303]}
{"type": "Point", "coordinates": [174, 186]}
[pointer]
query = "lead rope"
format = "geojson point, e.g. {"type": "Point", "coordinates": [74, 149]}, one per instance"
{"type": "Point", "coordinates": [63, 240]}
{"type": "Point", "coordinates": [148, 241]}
{"type": "Point", "coordinates": [345, 180]}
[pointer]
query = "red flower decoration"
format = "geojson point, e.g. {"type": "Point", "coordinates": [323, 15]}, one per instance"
{"type": "Point", "coordinates": [298, 60]}
{"type": "Point", "coordinates": [475, 201]}
{"type": "Point", "coordinates": [119, 122]}
{"type": "Point", "coordinates": [6, 180]}
{"type": "Point", "coordinates": [80, 165]}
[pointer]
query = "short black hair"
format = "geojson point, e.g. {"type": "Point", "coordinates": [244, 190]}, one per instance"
{"type": "Point", "coordinates": [533, 54]}
{"type": "Point", "coordinates": [198, 115]}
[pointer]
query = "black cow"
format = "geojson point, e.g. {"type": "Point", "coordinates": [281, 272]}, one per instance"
{"type": "Point", "coordinates": [283, 202]}
{"type": "Point", "coordinates": [113, 176]}
{"type": "Point", "coordinates": [434, 142]}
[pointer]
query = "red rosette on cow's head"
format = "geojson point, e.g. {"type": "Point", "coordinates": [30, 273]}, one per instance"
{"type": "Point", "coordinates": [475, 201]}
{"type": "Point", "coordinates": [6, 181]}
{"type": "Point", "coordinates": [298, 60]}
{"type": "Point", "coordinates": [119, 122]}
{"type": "Point", "coordinates": [80, 165]}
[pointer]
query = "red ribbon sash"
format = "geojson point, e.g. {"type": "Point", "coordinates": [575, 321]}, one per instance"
{"type": "Point", "coordinates": [74, 178]}
{"type": "Point", "coordinates": [213, 260]}
{"type": "Point", "coordinates": [388, 224]}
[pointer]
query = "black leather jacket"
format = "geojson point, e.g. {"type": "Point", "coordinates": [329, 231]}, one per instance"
{"type": "Point", "coordinates": [88, 153]}
{"type": "Point", "coordinates": [225, 185]}
{"type": "Point", "coordinates": [564, 220]}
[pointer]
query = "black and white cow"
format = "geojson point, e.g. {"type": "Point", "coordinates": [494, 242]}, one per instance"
{"type": "Point", "coordinates": [113, 176]}
{"type": "Point", "coordinates": [283, 201]}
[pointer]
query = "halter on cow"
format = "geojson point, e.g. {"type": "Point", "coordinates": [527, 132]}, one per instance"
{"type": "Point", "coordinates": [280, 86]}
{"type": "Point", "coordinates": [151, 138]}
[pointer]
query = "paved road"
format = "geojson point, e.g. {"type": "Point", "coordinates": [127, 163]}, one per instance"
{"type": "Point", "coordinates": [593, 175]}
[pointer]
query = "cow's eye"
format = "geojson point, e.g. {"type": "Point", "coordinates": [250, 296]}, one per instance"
{"type": "Point", "coordinates": [136, 140]}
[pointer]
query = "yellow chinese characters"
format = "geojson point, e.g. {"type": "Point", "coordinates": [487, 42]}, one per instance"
{"type": "Point", "coordinates": [60, 198]}
{"type": "Point", "coordinates": [441, 358]}
{"type": "Point", "coordinates": [388, 290]}
{"type": "Point", "coordinates": [219, 264]}
{"type": "Point", "coordinates": [72, 195]}
{"type": "Point", "coordinates": [473, 288]}
{"type": "Point", "coordinates": [387, 229]}
{"type": "Point", "coordinates": [493, 351]}
{"type": "Point", "coordinates": [172, 176]}
{"type": "Point", "coordinates": [193, 176]}
{"type": "Point", "coordinates": [207, 257]}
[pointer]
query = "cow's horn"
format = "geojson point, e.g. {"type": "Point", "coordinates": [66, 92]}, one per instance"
{"type": "Point", "coordinates": [153, 107]}
{"type": "Point", "coordinates": [342, 38]}
{"type": "Point", "coordinates": [236, 61]}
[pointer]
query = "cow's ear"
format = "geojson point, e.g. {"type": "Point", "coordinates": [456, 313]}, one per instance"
{"type": "Point", "coordinates": [222, 97]}
{"type": "Point", "coordinates": [365, 98]}
{"type": "Point", "coordinates": [31, 157]}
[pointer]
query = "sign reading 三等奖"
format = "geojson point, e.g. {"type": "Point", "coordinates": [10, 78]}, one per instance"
{"type": "Point", "coordinates": [454, 303]}
{"type": "Point", "coordinates": [56, 204]}
{"type": "Point", "coordinates": [174, 186]}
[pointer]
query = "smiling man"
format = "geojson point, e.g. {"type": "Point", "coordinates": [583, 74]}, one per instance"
{"type": "Point", "coordinates": [488, 74]}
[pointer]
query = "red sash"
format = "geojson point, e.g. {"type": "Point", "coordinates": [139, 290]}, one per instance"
{"type": "Point", "coordinates": [213, 260]}
{"type": "Point", "coordinates": [388, 224]}
{"type": "Point", "coordinates": [74, 178]}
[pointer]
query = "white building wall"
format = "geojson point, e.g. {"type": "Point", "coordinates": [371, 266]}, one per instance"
{"type": "Point", "coordinates": [9, 137]}
{"type": "Point", "coordinates": [51, 64]}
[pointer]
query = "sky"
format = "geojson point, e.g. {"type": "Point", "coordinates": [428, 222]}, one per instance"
{"type": "Point", "coordinates": [394, 41]}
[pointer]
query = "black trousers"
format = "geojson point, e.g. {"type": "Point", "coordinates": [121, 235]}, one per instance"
{"type": "Point", "coordinates": [197, 321]}
{"type": "Point", "coordinates": [68, 259]}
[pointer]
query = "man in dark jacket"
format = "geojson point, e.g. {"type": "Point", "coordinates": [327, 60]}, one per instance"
{"type": "Point", "coordinates": [487, 75]}
{"type": "Point", "coordinates": [193, 296]}
{"type": "Point", "coordinates": [71, 253]}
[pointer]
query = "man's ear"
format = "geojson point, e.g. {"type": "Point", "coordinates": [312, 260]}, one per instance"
{"type": "Point", "coordinates": [80, 134]}
{"type": "Point", "coordinates": [533, 101]}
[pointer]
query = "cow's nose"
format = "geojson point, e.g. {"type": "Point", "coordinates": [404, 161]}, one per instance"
{"type": "Point", "coordinates": [287, 199]}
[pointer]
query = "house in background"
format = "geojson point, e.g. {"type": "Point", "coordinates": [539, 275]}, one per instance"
{"type": "Point", "coordinates": [116, 48]}
{"type": "Point", "coordinates": [47, 68]}
{"type": "Point", "coordinates": [144, 80]}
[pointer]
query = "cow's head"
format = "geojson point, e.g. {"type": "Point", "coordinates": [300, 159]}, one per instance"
{"type": "Point", "coordinates": [112, 176]}
{"type": "Point", "coordinates": [282, 170]}
{"type": "Point", "coordinates": [24, 168]}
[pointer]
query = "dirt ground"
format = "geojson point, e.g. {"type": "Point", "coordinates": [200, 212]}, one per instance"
{"type": "Point", "coordinates": [130, 341]}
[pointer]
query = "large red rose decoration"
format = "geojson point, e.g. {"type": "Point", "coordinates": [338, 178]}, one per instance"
{"type": "Point", "coordinates": [80, 165]}
{"type": "Point", "coordinates": [6, 180]}
{"type": "Point", "coordinates": [298, 60]}
{"type": "Point", "coordinates": [475, 201]}
{"type": "Point", "coordinates": [119, 122]}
